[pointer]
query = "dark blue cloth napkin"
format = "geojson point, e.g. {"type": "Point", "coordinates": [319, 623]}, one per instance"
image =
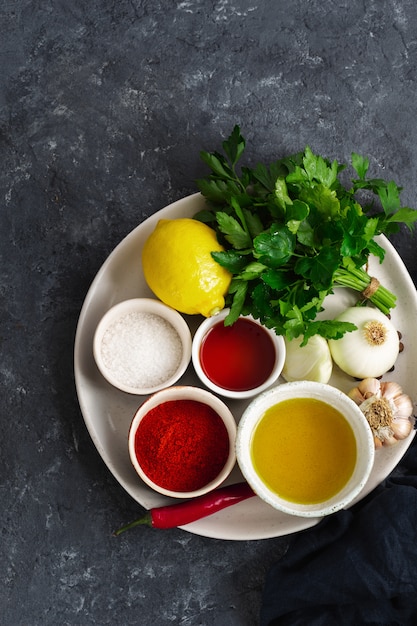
{"type": "Point", "coordinates": [355, 567]}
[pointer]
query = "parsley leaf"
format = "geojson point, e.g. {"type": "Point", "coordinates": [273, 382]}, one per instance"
{"type": "Point", "coordinates": [231, 260]}
{"type": "Point", "coordinates": [238, 290]}
{"type": "Point", "coordinates": [275, 246]}
{"type": "Point", "coordinates": [319, 269]}
{"type": "Point", "coordinates": [360, 165]}
{"type": "Point", "coordinates": [318, 168]}
{"type": "Point", "coordinates": [234, 146]}
{"type": "Point", "coordinates": [233, 231]}
{"type": "Point", "coordinates": [404, 215]}
{"type": "Point", "coordinates": [389, 195]}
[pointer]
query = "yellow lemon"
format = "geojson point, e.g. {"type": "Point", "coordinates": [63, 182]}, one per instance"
{"type": "Point", "coordinates": [180, 270]}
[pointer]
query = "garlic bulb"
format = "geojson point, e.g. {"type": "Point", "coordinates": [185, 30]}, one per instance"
{"type": "Point", "coordinates": [310, 362]}
{"type": "Point", "coordinates": [371, 349]}
{"type": "Point", "coordinates": [387, 409]}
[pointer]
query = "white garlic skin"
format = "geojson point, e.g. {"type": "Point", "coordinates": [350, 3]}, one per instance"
{"type": "Point", "coordinates": [354, 355]}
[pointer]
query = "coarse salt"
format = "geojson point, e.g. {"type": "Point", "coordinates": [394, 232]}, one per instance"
{"type": "Point", "coordinates": [141, 350]}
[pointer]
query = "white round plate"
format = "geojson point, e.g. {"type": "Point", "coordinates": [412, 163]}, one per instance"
{"type": "Point", "coordinates": [108, 412]}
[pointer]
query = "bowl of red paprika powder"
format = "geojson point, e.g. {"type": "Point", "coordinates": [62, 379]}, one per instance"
{"type": "Point", "coordinates": [239, 360]}
{"type": "Point", "coordinates": [182, 441]}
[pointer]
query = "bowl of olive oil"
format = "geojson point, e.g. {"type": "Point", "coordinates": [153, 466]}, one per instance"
{"type": "Point", "coordinates": [305, 448]}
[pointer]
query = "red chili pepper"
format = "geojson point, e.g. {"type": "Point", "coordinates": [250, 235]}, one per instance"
{"type": "Point", "coordinates": [189, 511]}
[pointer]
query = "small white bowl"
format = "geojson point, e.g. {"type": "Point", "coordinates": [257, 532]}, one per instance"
{"type": "Point", "coordinates": [185, 393]}
{"type": "Point", "coordinates": [141, 346]}
{"type": "Point", "coordinates": [338, 400]}
{"type": "Point", "coordinates": [199, 338]}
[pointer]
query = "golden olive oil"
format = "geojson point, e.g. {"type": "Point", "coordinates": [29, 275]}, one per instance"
{"type": "Point", "coordinates": [304, 450]}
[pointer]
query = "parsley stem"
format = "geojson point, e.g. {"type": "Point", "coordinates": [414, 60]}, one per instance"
{"type": "Point", "coordinates": [358, 279]}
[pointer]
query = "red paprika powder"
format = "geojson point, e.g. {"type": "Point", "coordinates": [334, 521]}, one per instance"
{"type": "Point", "coordinates": [182, 445]}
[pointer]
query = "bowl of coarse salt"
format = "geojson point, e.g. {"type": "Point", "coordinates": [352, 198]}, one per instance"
{"type": "Point", "coordinates": [142, 346]}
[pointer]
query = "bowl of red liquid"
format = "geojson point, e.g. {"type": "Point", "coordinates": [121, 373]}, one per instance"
{"type": "Point", "coordinates": [182, 441]}
{"type": "Point", "coordinates": [237, 361]}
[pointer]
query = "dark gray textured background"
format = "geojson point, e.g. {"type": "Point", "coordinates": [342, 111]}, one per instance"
{"type": "Point", "coordinates": [104, 107]}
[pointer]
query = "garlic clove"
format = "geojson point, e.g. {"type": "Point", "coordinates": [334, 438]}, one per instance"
{"type": "Point", "coordinates": [390, 389]}
{"type": "Point", "coordinates": [356, 395]}
{"type": "Point", "coordinates": [378, 443]}
{"type": "Point", "coordinates": [403, 406]}
{"type": "Point", "coordinates": [402, 427]}
{"type": "Point", "coordinates": [390, 441]}
{"type": "Point", "coordinates": [369, 387]}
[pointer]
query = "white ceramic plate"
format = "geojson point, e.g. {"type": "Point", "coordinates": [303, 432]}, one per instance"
{"type": "Point", "coordinates": [108, 412]}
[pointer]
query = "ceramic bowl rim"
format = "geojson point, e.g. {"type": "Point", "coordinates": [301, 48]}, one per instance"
{"type": "Point", "coordinates": [147, 305]}
{"type": "Point", "coordinates": [202, 330]}
{"type": "Point", "coordinates": [325, 392]}
{"type": "Point", "coordinates": [193, 393]}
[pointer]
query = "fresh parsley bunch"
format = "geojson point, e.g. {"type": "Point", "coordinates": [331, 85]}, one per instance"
{"type": "Point", "coordinates": [292, 232]}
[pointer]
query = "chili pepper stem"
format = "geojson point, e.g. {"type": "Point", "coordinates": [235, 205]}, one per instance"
{"type": "Point", "coordinates": [145, 520]}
